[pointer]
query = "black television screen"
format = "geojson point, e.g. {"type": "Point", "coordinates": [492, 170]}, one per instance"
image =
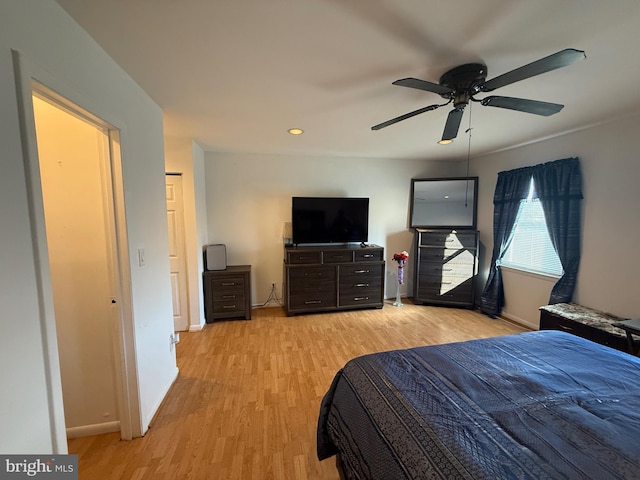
{"type": "Point", "coordinates": [329, 219]}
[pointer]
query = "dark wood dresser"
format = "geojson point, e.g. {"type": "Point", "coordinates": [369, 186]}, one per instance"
{"type": "Point", "coordinates": [446, 267]}
{"type": "Point", "coordinates": [587, 323]}
{"type": "Point", "coordinates": [227, 293]}
{"type": "Point", "coordinates": [333, 278]}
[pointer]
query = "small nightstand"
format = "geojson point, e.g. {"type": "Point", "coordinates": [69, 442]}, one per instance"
{"type": "Point", "coordinates": [227, 293]}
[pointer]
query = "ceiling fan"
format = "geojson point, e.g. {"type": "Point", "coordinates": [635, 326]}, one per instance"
{"type": "Point", "coordinates": [460, 84]}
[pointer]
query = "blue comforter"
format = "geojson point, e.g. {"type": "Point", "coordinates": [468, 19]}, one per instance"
{"type": "Point", "coordinates": [529, 406]}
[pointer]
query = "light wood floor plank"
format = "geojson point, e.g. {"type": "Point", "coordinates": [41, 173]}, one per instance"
{"type": "Point", "coordinates": [245, 404]}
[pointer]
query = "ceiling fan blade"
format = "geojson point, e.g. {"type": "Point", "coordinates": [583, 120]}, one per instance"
{"type": "Point", "coordinates": [453, 124]}
{"type": "Point", "coordinates": [423, 85]}
{"type": "Point", "coordinates": [560, 59]}
{"type": "Point", "coordinates": [523, 105]}
{"type": "Point", "coordinates": [404, 117]}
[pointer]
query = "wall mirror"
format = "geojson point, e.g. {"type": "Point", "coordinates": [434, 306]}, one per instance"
{"type": "Point", "coordinates": [444, 202]}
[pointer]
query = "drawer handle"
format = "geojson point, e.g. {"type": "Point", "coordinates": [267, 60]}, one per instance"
{"type": "Point", "coordinates": [227, 297]}
{"type": "Point", "coordinates": [359, 299]}
{"type": "Point", "coordinates": [362, 271]}
{"type": "Point", "coordinates": [228, 284]}
{"type": "Point", "coordinates": [229, 307]}
{"type": "Point", "coordinates": [302, 257]}
{"type": "Point", "coordinates": [312, 302]}
{"type": "Point", "coordinates": [361, 285]}
{"type": "Point", "coordinates": [565, 328]}
{"type": "Point", "coordinates": [367, 255]}
{"type": "Point", "coordinates": [313, 274]}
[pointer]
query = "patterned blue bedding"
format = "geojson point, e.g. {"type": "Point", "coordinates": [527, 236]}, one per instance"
{"type": "Point", "coordinates": [535, 405]}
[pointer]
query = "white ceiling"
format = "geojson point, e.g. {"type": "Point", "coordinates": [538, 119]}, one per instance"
{"type": "Point", "coordinates": [236, 74]}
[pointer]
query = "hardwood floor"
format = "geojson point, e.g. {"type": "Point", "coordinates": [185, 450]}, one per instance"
{"type": "Point", "coordinates": [246, 401]}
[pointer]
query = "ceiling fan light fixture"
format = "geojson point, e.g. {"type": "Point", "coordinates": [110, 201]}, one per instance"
{"type": "Point", "coordinates": [461, 83]}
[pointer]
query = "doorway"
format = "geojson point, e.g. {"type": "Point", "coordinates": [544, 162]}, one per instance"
{"type": "Point", "coordinates": [73, 155]}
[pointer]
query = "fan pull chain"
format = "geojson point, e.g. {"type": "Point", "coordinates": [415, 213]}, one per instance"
{"type": "Point", "coordinates": [468, 130]}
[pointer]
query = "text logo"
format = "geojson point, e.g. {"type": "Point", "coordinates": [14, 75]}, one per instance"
{"type": "Point", "coordinates": [51, 467]}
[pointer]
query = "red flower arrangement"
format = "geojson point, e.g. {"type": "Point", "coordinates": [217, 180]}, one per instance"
{"type": "Point", "coordinates": [401, 258]}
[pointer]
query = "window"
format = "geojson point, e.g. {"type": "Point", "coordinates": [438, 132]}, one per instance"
{"type": "Point", "coordinates": [531, 248]}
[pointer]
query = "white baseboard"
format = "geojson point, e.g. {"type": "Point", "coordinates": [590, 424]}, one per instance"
{"type": "Point", "coordinates": [520, 321]}
{"type": "Point", "coordinates": [196, 328]}
{"type": "Point", "coordinates": [95, 429]}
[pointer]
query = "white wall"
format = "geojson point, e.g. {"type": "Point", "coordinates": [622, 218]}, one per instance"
{"type": "Point", "coordinates": [184, 156]}
{"type": "Point", "coordinates": [249, 201]}
{"type": "Point", "coordinates": [67, 60]}
{"type": "Point", "coordinates": [608, 279]}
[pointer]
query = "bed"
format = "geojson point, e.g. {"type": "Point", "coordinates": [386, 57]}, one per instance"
{"type": "Point", "coordinates": [534, 405]}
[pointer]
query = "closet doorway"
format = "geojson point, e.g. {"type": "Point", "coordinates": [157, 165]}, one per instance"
{"type": "Point", "coordinates": [74, 156]}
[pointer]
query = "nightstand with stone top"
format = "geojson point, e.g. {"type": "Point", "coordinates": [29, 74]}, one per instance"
{"type": "Point", "coordinates": [631, 328]}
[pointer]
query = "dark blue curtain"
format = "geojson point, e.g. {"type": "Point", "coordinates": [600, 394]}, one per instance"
{"type": "Point", "coordinates": [511, 188]}
{"type": "Point", "coordinates": [559, 188]}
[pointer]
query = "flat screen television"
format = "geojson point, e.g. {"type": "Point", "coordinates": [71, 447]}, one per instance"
{"type": "Point", "coordinates": [329, 220]}
{"type": "Point", "coordinates": [444, 202]}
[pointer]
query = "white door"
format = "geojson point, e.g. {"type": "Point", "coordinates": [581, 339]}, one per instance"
{"type": "Point", "coordinates": [176, 252]}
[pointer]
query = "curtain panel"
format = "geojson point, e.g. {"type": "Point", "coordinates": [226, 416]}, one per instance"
{"type": "Point", "coordinates": [559, 188]}
{"type": "Point", "coordinates": [511, 188]}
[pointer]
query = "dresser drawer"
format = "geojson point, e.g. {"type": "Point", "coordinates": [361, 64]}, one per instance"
{"type": "Point", "coordinates": [312, 299]}
{"type": "Point", "coordinates": [449, 269]}
{"type": "Point", "coordinates": [448, 239]}
{"type": "Point", "coordinates": [460, 297]}
{"type": "Point", "coordinates": [323, 288]}
{"type": "Point", "coordinates": [312, 276]}
{"type": "Point", "coordinates": [301, 257]}
{"type": "Point", "coordinates": [366, 255]}
{"type": "Point", "coordinates": [355, 288]}
{"type": "Point", "coordinates": [361, 293]}
{"type": "Point", "coordinates": [227, 283]}
{"type": "Point", "coordinates": [228, 303]}
{"type": "Point", "coordinates": [438, 255]}
{"type": "Point", "coordinates": [428, 283]}
{"type": "Point", "coordinates": [361, 272]}
{"type": "Point", "coordinates": [337, 256]}
{"type": "Point", "coordinates": [367, 297]}
{"type": "Point", "coordinates": [228, 296]}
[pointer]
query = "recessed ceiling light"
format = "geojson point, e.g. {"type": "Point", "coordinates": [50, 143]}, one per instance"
{"type": "Point", "coordinates": [295, 131]}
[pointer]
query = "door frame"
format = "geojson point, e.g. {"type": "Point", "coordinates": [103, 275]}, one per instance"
{"type": "Point", "coordinates": [32, 80]}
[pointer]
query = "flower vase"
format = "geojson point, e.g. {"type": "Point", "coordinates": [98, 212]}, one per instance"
{"type": "Point", "coordinates": [398, 302]}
